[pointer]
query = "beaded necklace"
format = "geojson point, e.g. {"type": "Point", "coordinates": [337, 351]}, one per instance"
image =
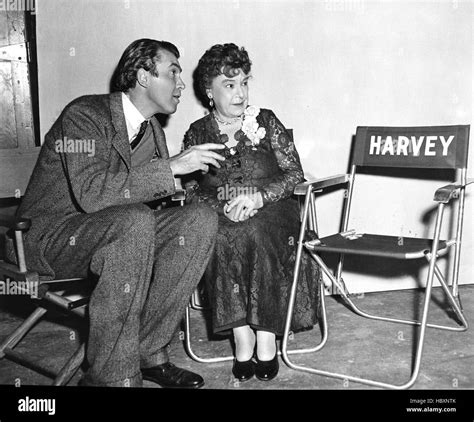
{"type": "Point", "coordinates": [225, 122]}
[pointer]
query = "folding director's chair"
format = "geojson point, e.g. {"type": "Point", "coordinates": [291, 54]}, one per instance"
{"type": "Point", "coordinates": [196, 303]}
{"type": "Point", "coordinates": [46, 293]}
{"type": "Point", "coordinates": [436, 147]}
{"type": "Point", "coordinates": [71, 296]}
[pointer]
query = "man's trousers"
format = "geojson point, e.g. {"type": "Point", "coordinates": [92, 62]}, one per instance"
{"type": "Point", "coordinates": [148, 264]}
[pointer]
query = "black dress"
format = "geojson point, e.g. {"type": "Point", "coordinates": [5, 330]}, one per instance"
{"type": "Point", "coordinates": [249, 276]}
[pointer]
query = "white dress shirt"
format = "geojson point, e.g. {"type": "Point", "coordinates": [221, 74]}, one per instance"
{"type": "Point", "coordinates": [133, 118]}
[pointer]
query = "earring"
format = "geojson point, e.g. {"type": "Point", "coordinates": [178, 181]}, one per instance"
{"type": "Point", "coordinates": [211, 102]}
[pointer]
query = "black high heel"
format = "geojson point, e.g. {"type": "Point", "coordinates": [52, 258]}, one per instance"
{"type": "Point", "coordinates": [243, 371]}
{"type": "Point", "coordinates": [266, 370]}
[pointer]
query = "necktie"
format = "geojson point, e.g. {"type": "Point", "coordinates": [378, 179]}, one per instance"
{"type": "Point", "coordinates": [160, 139]}
{"type": "Point", "coordinates": [140, 134]}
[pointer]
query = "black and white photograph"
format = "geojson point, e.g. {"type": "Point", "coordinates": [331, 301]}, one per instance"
{"type": "Point", "coordinates": [207, 198]}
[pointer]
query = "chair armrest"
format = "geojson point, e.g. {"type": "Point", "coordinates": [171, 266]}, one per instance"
{"type": "Point", "coordinates": [12, 270]}
{"type": "Point", "coordinates": [179, 195]}
{"type": "Point", "coordinates": [446, 193]}
{"type": "Point", "coordinates": [15, 223]}
{"type": "Point", "coordinates": [339, 179]}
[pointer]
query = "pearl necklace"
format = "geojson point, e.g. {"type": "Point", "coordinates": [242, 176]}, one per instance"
{"type": "Point", "coordinates": [225, 122]}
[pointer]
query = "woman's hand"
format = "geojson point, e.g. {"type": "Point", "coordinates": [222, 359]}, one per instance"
{"type": "Point", "coordinates": [243, 207]}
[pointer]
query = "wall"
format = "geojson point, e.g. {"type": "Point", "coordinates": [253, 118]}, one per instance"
{"type": "Point", "coordinates": [324, 67]}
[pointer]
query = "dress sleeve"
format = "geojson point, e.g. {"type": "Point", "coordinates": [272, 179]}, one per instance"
{"type": "Point", "coordinates": [282, 185]}
{"type": "Point", "coordinates": [191, 181]}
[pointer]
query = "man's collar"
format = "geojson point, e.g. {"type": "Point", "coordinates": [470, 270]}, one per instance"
{"type": "Point", "coordinates": [133, 117]}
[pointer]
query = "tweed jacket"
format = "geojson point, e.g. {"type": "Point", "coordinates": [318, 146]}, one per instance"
{"type": "Point", "coordinates": [66, 182]}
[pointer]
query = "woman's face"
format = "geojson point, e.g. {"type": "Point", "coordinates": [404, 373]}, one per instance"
{"type": "Point", "coordinates": [230, 94]}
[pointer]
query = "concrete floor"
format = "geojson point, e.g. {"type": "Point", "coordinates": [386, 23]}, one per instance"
{"type": "Point", "coordinates": [356, 346]}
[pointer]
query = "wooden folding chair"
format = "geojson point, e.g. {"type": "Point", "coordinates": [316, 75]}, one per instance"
{"type": "Point", "coordinates": [16, 170]}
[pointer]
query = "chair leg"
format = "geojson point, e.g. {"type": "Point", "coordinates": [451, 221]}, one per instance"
{"type": "Point", "coordinates": [71, 367]}
{"type": "Point", "coordinates": [284, 352]}
{"type": "Point", "coordinates": [287, 333]}
{"type": "Point", "coordinates": [366, 381]}
{"type": "Point", "coordinates": [21, 331]}
{"type": "Point", "coordinates": [462, 327]}
{"type": "Point", "coordinates": [6, 350]}
{"type": "Point", "coordinates": [455, 301]}
{"type": "Point", "coordinates": [194, 356]}
{"type": "Point", "coordinates": [308, 217]}
{"type": "Point", "coordinates": [188, 347]}
{"type": "Point", "coordinates": [433, 270]}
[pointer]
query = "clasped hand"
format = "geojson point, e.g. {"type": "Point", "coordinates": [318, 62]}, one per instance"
{"type": "Point", "coordinates": [243, 207]}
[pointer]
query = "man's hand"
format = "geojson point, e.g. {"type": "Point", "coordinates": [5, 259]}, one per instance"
{"type": "Point", "coordinates": [198, 157]}
{"type": "Point", "coordinates": [243, 207]}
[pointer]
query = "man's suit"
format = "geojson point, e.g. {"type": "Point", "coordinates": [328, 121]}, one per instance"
{"type": "Point", "coordinates": [88, 215]}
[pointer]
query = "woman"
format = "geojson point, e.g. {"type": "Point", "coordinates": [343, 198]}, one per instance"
{"type": "Point", "coordinates": [249, 277]}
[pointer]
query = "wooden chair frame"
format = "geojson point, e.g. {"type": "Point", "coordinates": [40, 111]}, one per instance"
{"type": "Point", "coordinates": [47, 293]}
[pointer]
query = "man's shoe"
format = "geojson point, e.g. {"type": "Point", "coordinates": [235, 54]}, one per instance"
{"type": "Point", "coordinates": [243, 371]}
{"type": "Point", "coordinates": [266, 370]}
{"type": "Point", "coordinates": [170, 376]}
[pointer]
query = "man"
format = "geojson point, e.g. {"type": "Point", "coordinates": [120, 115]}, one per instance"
{"type": "Point", "coordinates": [88, 213]}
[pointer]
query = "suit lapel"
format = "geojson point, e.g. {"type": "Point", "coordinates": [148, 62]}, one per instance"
{"type": "Point", "coordinates": [160, 139]}
{"type": "Point", "coordinates": [120, 138]}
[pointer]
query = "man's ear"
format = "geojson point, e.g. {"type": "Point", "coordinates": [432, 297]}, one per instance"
{"type": "Point", "coordinates": [142, 77]}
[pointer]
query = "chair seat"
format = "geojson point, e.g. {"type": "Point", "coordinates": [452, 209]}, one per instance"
{"type": "Point", "coordinates": [376, 245]}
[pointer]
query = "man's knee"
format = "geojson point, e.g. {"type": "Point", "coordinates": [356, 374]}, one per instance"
{"type": "Point", "coordinates": [130, 233]}
{"type": "Point", "coordinates": [206, 218]}
{"type": "Point", "coordinates": [136, 218]}
{"type": "Point", "coordinates": [203, 219]}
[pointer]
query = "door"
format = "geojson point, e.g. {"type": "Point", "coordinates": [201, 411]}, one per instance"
{"type": "Point", "coordinates": [19, 146]}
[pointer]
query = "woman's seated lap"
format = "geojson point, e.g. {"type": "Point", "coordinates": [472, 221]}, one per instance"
{"type": "Point", "coordinates": [250, 274]}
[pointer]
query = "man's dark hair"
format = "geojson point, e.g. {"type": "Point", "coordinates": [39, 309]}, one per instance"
{"type": "Point", "coordinates": [220, 59]}
{"type": "Point", "coordinates": [140, 54]}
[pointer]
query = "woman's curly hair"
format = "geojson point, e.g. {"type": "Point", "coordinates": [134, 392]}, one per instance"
{"type": "Point", "coordinates": [219, 59]}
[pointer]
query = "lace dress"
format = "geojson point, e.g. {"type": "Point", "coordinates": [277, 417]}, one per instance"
{"type": "Point", "coordinates": [249, 276]}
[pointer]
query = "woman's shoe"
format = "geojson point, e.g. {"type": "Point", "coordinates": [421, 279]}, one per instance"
{"type": "Point", "coordinates": [243, 371]}
{"type": "Point", "coordinates": [266, 370]}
